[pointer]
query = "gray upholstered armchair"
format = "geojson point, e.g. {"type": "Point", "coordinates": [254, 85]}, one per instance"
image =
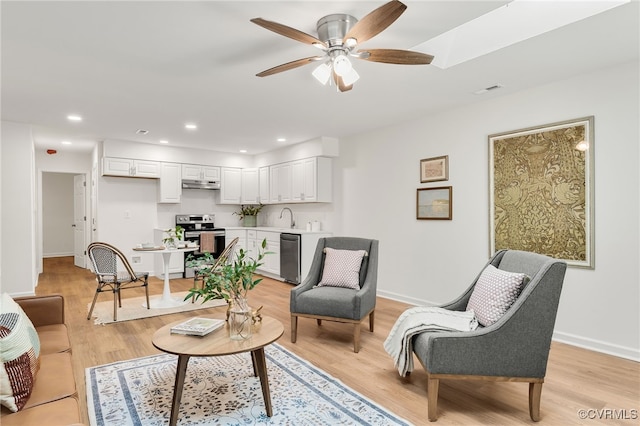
{"type": "Point", "coordinates": [515, 348]}
{"type": "Point", "coordinates": [337, 303]}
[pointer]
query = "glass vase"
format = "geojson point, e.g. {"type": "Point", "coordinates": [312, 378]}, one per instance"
{"type": "Point", "coordinates": [240, 320]}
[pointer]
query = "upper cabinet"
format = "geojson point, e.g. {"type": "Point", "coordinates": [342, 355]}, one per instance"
{"type": "Point", "coordinates": [198, 172]}
{"type": "Point", "coordinates": [280, 183]}
{"type": "Point", "coordinates": [170, 185]}
{"type": "Point", "coordinates": [231, 185]}
{"type": "Point", "coordinates": [263, 185]}
{"type": "Point", "coordinates": [130, 168]}
{"type": "Point", "coordinates": [250, 187]}
{"type": "Point", "coordinates": [302, 181]}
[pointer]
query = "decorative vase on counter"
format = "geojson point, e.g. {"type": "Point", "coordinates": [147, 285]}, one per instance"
{"type": "Point", "coordinates": [250, 220]}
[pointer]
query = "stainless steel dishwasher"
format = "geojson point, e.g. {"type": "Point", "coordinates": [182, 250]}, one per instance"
{"type": "Point", "coordinates": [290, 257]}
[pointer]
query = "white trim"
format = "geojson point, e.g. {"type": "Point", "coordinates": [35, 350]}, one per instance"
{"type": "Point", "coordinates": [597, 345]}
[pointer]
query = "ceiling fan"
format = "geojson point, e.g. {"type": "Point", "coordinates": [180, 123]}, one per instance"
{"type": "Point", "coordinates": [338, 37]}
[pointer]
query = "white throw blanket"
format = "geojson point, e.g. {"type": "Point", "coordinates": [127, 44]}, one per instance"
{"type": "Point", "coordinates": [418, 320]}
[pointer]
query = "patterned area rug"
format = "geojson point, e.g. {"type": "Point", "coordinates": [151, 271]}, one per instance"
{"type": "Point", "coordinates": [223, 391]}
{"type": "Point", "coordinates": [132, 308]}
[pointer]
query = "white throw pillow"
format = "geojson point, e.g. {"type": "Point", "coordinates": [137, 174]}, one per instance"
{"type": "Point", "coordinates": [342, 268]}
{"type": "Point", "coordinates": [494, 293]}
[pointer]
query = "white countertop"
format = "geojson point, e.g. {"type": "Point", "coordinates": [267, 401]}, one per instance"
{"type": "Point", "coordinates": [276, 229]}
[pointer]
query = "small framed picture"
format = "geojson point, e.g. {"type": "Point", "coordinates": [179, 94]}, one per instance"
{"type": "Point", "coordinates": [434, 203]}
{"type": "Point", "coordinates": [434, 169]}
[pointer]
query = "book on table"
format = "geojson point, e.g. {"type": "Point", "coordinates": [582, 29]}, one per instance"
{"type": "Point", "coordinates": [197, 326]}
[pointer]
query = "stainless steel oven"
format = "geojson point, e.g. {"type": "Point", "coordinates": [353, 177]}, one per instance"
{"type": "Point", "coordinates": [212, 241]}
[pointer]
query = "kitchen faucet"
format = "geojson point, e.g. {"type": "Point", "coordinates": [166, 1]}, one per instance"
{"type": "Point", "coordinates": [293, 223]}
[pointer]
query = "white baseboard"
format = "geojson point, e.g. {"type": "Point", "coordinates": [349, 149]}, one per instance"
{"type": "Point", "coordinates": [47, 255]}
{"type": "Point", "coordinates": [558, 336]}
{"type": "Point", "coordinates": [597, 345]}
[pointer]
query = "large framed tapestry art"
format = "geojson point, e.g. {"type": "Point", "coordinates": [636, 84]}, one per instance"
{"type": "Point", "coordinates": [541, 191]}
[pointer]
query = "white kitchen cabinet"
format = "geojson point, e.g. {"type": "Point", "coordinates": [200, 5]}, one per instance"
{"type": "Point", "coordinates": [252, 244]}
{"type": "Point", "coordinates": [241, 234]}
{"type": "Point", "coordinates": [231, 185]}
{"type": "Point", "coordinates": [271, 262]}
{"type": "Point", "coordinates": [263, 185]}
{"type": "Point", "coordinates": [280, 183]}
{"type": "Point", "coordinates": [250, 186]}
{"type": "Point", "coordinates": [128, 167]}
{"type": "Point", "coordinates": [199, 172]}
{"type": "Point", "coordinates": [170, 184]}
{"type": "Point", "coordinates": [311, 180]}
{"type": "Point", "coordinates": [302, 181]}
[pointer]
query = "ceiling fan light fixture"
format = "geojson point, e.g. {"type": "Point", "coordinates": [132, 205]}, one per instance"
{"type": "Point", "coordinates": [322, 73]}
{"type": "Point", "coordinates": [342, 65]}
{"type": "Point", "coordinates": [350, 78]}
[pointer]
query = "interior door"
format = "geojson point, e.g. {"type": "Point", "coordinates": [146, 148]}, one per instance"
{"type": "Point", "coordinates": [79, 220]}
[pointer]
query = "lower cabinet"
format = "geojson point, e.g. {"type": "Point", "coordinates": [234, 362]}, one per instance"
{"type": "Point", "coordinates": [271, 262]}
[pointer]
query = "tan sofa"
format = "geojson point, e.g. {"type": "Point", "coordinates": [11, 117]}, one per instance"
{"type": "Point", "coordinates": [53, 400]}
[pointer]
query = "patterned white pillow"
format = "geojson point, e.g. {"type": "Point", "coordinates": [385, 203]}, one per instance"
{"type": "Point", "coordinates": [342, 268]}
{"type": "Point", "coordinates": [19, 354]}
{"type": "Point", "coordinates": [494, 293]}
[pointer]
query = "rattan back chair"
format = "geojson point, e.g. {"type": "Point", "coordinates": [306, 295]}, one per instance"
{"type": "Point", "coordinates": [105, 259]}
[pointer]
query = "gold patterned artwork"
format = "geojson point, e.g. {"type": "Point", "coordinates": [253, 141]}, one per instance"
{"type": "Point", "coordinates": [541, 191]}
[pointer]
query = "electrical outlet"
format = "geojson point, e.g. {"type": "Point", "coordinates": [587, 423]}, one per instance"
{"type": "Point", "coordinates": [136, 259]}
{"type": "Point", "coordinates": [127, 214]}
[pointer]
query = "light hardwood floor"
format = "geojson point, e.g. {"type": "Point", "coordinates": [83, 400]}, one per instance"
{"type": "Point", "coordinates": [577, 379]}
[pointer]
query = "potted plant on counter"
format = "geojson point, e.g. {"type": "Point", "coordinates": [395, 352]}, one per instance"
{"type": "Point", "coordinates": [231, 280]}
{"type": "Point", "coordinates": [249, 214]}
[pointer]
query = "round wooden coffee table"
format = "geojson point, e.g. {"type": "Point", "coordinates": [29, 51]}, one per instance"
{"type": "Point", "coordinates": [218, 343]}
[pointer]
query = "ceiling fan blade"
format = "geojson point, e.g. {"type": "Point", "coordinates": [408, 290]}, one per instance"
{"type": "Point", "coordinates": [340, 83]}
{"type": "Point", "coordinates": [288, 32]}
{"type": "Point", "coordinates": [396, 56]}
{"type": "Point", "coordinates": [289, 66]}
{"type": "Point", "coordinates": [376, 21]}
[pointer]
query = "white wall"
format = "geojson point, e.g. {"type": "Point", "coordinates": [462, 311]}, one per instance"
{"type": "Point", "coordinates": [19, 276]}
{"type": "Point", "coordinates": [428, 262]}
{"type": "Point", "coordinates": [57, 214]}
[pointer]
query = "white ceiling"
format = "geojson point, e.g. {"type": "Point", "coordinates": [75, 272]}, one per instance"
{"type": "Point", "coordinates": [150, 65]}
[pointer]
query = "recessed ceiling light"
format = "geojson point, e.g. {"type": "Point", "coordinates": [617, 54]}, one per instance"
{"type": "Point", "coordinates": [66, 143]}
{"type": "Point", "coordinates": [281, 139]}
{"type": "Point", "coordinates": [164, 141]}
{"type": "Point", "coordinates": [190, 126]}
{"type": "Point", "coordinates": [74, 117]}
{"type": "Point", "coordinates": [243, 151]}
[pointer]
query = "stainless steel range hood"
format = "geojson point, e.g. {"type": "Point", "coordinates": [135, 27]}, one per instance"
{"type": "Point", "coordinates": [200, 184]}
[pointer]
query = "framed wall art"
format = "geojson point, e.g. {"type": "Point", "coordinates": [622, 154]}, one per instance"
{"type": "Point", "coordinates": [434, 203]}
{"type": "Point", "coordinates": [434, 169]}
{"type": "Point", "coordinates": [541, 191]}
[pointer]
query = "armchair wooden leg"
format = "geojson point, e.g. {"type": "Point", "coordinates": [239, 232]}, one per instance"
{"type": "Point", "coordinates": [116, 296]}
{"type": "Point", "coordinates": [432, 398]}
{"type": "Point", "coordinates": [371, 318]}
{"type": "Point", "coordinates": [535, 393]}
{"type": "Point", "coordinates": [294, 328]}
{"type": "Point", "coordinates": [319, 322]}
{"type": "Point", "coordinates": [356, 337]}
{"type": "Point", "coordinates": [146, 292]}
